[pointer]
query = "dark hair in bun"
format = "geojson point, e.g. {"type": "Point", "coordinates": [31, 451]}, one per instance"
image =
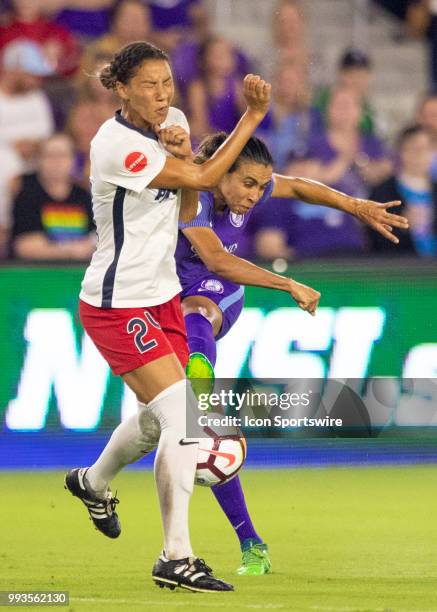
{"type": "Point", "coordinates": [126, 62]}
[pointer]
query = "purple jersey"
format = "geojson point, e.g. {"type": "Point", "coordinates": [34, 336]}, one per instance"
{"type": "Point", "coordinates": [228, 226]}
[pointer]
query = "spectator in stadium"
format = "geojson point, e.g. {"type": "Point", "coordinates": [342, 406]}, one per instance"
{"type": "Point", "coordinates": [10, 169]}
{"type": "Point", "coordinates": [25, 119]}
{"type": "Point", "coordinates": [427, 117]}
{"type": "Point", "coordinates": [185, 54]}
{"type": "Point", "coordinates": [422, 21]}
{"type": "Point", "coordinates": [25, 113]}
{"type": "Point", "coordinates": [130, 21]}
{"type": "Point", "coordinates": [355, 72]}
{"type": "Point", "coordinates": [341, 157]}
{"type": "Point", "coordinates": [215, 99]}
{"type": "Point", "coordinates": [288, 41]}
{"type": "Point", "coordinates": [288, 33]}
{"type": "Point", "coordinates": [86, 19]}
{"type": "Point", "coordinates": [4, 12]}
{"type": "Point", "coordinates": [57, 44]}
{"type": "Point", "coordinates": [413, 185]}
{"type": "Point", "coordinates": [294, 230]}
{"type": "Point", "coordinates": [174, 21]}
{"type": "Point", "coordinates": [89, 87]}
{"type": "Point", "coordinates": [292, 122]}
{"type": "Point", "coordinates": [83, 122]}
{"type": "Point", "coordinates": [52, 217]}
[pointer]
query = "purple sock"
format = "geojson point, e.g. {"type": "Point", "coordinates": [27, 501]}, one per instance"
{"type": "Point", "coordinates": [201, 336]}
{"type": "Point", "coordinates": [230, 496]}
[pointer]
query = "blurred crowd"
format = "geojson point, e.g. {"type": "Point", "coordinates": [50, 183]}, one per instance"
{"type": "Point", "coordinates": [52, 103]}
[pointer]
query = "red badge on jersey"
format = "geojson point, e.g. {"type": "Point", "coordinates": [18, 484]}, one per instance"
{"type": "Point", "coordinates": [135, 162]}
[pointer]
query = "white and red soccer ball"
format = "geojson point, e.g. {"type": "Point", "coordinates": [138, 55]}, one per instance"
{"type": "Point", "coordinates": [220, 457]}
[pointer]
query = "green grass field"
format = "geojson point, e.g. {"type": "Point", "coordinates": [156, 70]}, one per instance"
{"type": "Point", "coordinates": [341, 539]}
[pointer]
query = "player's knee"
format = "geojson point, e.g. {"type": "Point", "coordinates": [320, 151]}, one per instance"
{"type": "Point", "coordinates": [205, 307]}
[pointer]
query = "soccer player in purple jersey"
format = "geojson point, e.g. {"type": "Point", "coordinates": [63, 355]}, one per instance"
{"type": "Point", "coordinates": [211, 276]}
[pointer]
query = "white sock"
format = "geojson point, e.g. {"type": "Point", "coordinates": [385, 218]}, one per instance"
{"type": "Point", "coordinates": [175, 466]}
{"type": "Point", "coordinates": [128, 443]}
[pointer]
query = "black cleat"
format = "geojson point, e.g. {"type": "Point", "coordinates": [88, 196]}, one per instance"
{"type": "Point", "coordinates": [101, 511]}
{"type": "Point", "coordinates": [190, 573]}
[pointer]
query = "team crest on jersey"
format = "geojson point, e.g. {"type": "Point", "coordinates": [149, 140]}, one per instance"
{"type": "Point", "coordinates": [135, 161]}
{"type": "Point", "coordinates": [236, 220]}
{"type": "Point", "coordinates": [211, 284]}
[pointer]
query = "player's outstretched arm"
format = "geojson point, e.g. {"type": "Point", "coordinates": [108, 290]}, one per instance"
{"type": "Point", "coordinates": [177, 141]}
{"type": "Point", "coordinates": [373, 214]}
{"type": "Point", "coordinates": [180, 173]}
{"type": "Point", "coordinates": [210, 249]}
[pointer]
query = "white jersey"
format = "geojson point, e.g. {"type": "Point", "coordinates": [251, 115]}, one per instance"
{"type": "Point", "coordinates": [137, 227]}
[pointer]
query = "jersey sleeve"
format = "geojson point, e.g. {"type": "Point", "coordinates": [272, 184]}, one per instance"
{"type": "Point", "coordinates": [132, 163]}
{"type": "Point", "coordinates": [204, 213]}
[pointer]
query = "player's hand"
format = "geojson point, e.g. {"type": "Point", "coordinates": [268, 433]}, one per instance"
{"type": "Point", "coordinates": [256, 93]}
{"type": "Point", "coordinates": [176, 140]}
{"type": "Point", "coordinates": [375, 215]}
{"type": "Point", "coordinates": [305, 297]}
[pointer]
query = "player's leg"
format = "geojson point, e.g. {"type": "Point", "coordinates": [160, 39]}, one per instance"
{"type": "Point", "coordinates": [134, 344]}
{"type": "Point", "coordinates": [134, 337]}
{"type": "Point", "coordinates": [203, 320]}
{"type": "Point", "coordinates": [167, 396]}
{"type": "Point", "coordinates": [215, 314]}
{"type": "Point", "coordinates": [128, 444]}
{"type": "Point", "coordinates": [176, 458]}
{"type": "Point", "coordinates": [132, 439]}
{"type": "Point", "coordinates": [174, 464]}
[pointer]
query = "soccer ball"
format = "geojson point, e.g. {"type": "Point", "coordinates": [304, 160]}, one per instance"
{"type": "Point", "coordinates": [220, 456]}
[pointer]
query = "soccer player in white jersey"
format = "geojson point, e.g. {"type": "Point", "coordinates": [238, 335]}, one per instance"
{"type": "Point", "coordinates": [129, 303]}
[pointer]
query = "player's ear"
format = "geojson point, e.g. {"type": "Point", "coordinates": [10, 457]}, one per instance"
{"type": "Point", "coordinates": [120, 88]}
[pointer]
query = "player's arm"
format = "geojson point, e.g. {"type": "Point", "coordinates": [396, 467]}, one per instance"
{"type": "Point", "coordinates": [189, 205]}
{"type": "Point", "coordinates": [210, 249]}
{"type": "Point", "coordinates": [180, 173]}
{"type": "Point", "coordinates": [176, 140]}
{"type": "Point", "coordinates": [373, 214]}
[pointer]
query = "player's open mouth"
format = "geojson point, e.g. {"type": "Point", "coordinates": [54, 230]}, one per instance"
{"type": "Point", "coordinates": [162, 111]}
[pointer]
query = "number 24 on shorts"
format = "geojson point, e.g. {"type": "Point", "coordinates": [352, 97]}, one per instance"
{"type": "Point", "coordinates": [140, 327]}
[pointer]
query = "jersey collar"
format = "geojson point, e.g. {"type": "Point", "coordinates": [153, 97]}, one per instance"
{"type": "Point", "coordinates": [120, 119]}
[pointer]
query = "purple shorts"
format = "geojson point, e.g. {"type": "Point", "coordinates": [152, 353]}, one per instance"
{"type": "Point", "coordinates": [228, 297]}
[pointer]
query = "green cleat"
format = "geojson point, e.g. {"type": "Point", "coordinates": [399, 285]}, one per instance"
{"type": "Point", "coordinates": [201, 374]}
{"type": "Point", "coordinates": [256, 560]}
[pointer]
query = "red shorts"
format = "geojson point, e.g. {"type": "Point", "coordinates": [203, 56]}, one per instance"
{"type": "Point", "coordinates": [131, 337]}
